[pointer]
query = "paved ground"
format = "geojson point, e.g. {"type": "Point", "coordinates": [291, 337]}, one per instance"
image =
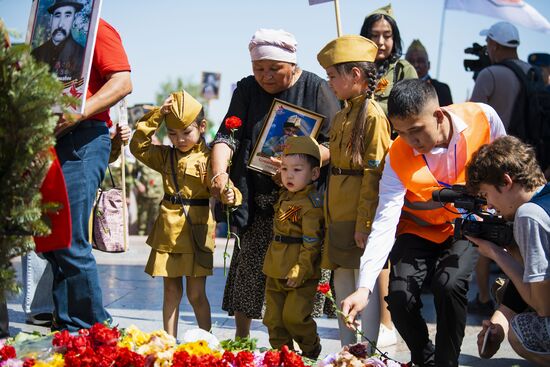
{"type": "Point", "coordinates": [133, 297]}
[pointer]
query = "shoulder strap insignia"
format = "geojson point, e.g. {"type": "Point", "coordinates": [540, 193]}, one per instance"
{"type": "Point", "coordinates": [316, 199]}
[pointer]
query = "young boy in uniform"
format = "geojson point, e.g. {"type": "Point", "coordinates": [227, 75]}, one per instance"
{"type": "Point", "coordinates": [292, 262]}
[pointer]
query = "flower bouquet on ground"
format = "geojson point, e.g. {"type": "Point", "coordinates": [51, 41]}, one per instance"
{"type": "Point", "coordinates": [102, 346]}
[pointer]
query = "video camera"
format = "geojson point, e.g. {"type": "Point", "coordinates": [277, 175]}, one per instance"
{"type": "Point", "coordinates": [477, 65]}
{"type": "Point", "coordinates": [490, 227]}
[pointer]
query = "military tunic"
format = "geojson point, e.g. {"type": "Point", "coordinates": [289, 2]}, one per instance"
{"type": "Point", "coordinates": [351, 201]}
{"type": "Point", "coordinates": [298, 215]}
{"type": "Point", "coordinates": [172, 252]}
{"type": "Point", "coordinates": [397, 71]}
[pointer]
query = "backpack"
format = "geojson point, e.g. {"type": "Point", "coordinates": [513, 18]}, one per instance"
{"type": "Point", "coordinates": [530, 120]}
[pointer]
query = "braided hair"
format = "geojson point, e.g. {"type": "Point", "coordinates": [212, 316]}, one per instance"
{"type": "Point", "coordinates": [397, 50]}
{"type": "Point", "coordinates": [356, 146]}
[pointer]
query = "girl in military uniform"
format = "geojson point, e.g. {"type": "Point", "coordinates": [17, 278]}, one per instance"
{"type": "Point", "coordinates": [182, 238]}
{"type": "Point", "coordinates": [359, 139]}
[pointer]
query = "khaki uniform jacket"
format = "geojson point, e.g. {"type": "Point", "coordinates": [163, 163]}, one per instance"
{"type": "Point", "coordinates": [171, 231]}
{"type": "Point", "coordinates": [300, 261]}
{"type": "Point", "coordinates": [351, 201]}
{"type": "Point", "coordinates": [404, 71]}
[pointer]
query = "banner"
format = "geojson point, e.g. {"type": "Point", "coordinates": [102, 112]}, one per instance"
{"type": "Point", "coordinates": [315, 2]}
{"type": "Point", "coordinates": [517, 12]}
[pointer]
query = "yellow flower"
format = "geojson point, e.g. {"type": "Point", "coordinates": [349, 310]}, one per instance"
{"type": "Point", "coordinates": [198, 348]}
{"type": "Point", "coordinates": [55, 361]}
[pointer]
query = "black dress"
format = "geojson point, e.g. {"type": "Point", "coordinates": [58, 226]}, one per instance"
{"type": "Point", "coordinates": [245, 286]}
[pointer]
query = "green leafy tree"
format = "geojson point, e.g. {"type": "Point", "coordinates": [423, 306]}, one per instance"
{"type": "Point", "coordinates": [194, 89]}
{"type": "Point", "coordinates": [27, 92]}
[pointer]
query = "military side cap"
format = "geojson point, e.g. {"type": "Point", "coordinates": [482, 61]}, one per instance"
{"type": "Point", "coordinates": [293, 121]}
{"type": "Point", "coordinates": [350, 48]}
{"type": "Point", "coordinates": [302, 145]}
{"type": "Point", "coordinates": [539, 59]}
{"type": "Point", "coordinates": [385, 10]}
{"type": "Point", "coordinates": [183, 112]}
{"type": "Point", "coordinates": [416, 45]}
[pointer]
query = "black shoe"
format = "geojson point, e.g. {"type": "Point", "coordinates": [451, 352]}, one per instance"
{"type": "Point", "coordinates": [481, 308]}
{"type": "Point", "coordinates": [41, 319]}
{"type": "Point", "coordinates": [314, 354]}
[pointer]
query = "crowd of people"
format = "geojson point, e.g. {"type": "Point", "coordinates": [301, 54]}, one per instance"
{"type": "Point", "coordinates": [353, 206]}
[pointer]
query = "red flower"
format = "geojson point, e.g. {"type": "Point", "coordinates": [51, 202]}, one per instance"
{"type": "Point", "coordinates": [127, 358]}
{"type": "Point", "coordinates": [233, 122]}
{"type": "Point", "coordinates": [29, 362]}
{"type": "Point", "coordinates": [61, 339]}
{"type": "Point", "coordinates": [324, 288]}
{"type": "Point", "coordinates": [244, 359]}
{"type": "Point", "coordinates": [272, 358]}
{"type": "Point", "coordinates": [102, 335]}
{"type": "Point", "coordinates": [7, 352]}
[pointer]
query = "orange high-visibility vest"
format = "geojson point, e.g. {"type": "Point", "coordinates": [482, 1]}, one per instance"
{"type": "Point", "coordinates": [420, 214]}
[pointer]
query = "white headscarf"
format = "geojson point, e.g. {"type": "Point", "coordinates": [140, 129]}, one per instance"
{"type": "Point", "coordinates": [273, 44]}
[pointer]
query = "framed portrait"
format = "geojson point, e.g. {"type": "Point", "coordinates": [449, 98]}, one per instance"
{"type": "Point", "coordinates": [210, 87]}
{"type": "Point", "coordinates": [62, 34]}
{"type": "Point", "coordinates": [283, 121]}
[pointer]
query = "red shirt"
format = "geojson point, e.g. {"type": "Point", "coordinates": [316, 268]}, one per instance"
{"type": "Point", "coordinates": [109, 57]}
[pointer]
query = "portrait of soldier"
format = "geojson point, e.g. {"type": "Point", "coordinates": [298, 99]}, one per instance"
{"type": "Point", "coordinates": [64, 55]}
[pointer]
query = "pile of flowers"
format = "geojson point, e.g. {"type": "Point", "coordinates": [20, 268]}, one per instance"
{"type": "Point", "coordinates": [102, 346]}
{"type": "Point", "coordinates": [357, 356]}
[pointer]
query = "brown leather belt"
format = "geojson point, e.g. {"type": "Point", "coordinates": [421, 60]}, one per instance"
{"type": "Point", "coordinates": [346, 172]}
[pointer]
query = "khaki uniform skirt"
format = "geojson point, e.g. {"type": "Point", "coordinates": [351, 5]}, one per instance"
{"type": "Point", "coordinates": [172, 265]}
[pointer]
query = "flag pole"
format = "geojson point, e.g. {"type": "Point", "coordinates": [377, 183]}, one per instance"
{"type": "Point", "coordinates": [123, 120]}
{"type": "Point", "coordinates": [441, 31]}
{"type": "Point", "coordinates": [338, 24]}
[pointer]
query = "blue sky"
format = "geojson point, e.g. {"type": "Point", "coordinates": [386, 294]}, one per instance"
{"type": "Point", "coordinates": [181, 38]}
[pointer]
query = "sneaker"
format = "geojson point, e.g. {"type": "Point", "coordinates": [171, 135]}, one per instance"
{"type": "Point", "coordinates": [40, 319]}
{"type": "Point", "coordinates": [481, 308]}
{"type": "Point", "coordinates": [386, 337]}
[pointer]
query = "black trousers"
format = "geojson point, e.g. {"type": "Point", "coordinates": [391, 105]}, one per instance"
{"type": "Point", "coordinates": [4, 320]}
{"type": "Point", "coordinates": [449, 266]}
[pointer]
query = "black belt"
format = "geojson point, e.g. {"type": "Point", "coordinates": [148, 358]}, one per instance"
{"type": "Point", "coordinates": [90, 123]}
{"type": "Point", "coordinates": [174, 199]}
{"type": "Point", "coordinates": [346, 172]}
{"type": "Point", "coordinates": [287, 239]}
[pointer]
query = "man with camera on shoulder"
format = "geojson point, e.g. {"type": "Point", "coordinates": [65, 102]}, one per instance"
{"type": "Point", "coordinates": [507, 174]}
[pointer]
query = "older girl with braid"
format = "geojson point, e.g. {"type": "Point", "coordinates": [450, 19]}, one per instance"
{"type": "Point", "coordinates": [359, 139]}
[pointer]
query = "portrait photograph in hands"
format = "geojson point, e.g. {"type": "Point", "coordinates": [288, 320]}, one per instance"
{"type": "Point", "coordinates": [283, 121]}
{"type": "Point", "coordinates": [61, 33]}
{"type": "Point", "coordinates": [210, 87]}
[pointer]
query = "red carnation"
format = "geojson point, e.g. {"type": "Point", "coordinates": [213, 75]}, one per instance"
{"type": "Point", "coordinates": [272, 358]}
{"type": "Point", "coordinates": [61, 339]}
{"type": "Point", "coordinates": [29, 362]}
{"type": "Point", "coordinates": [324, 288]}
{"type": "Point", "coordinates": [127, 358]}
{"type": "Point", "coordinates": [7, 352]}
{"type": "Point", "coordinates": [233, 122]}
{"type": "Point", "coordinates": [102, 335]}
{"type": "Point", "coordinates": [244, 359]}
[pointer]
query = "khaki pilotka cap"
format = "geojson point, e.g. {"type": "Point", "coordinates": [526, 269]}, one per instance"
{"type": "Point", "coordinates": [183, 112]}
{"type": "Point", "coordinates": [385, 10]}
{"type": "Point", "coordinates": [350, 48]}
{"type": "Point", "coordinates": [302, 145]}
{"type": "Point", "coordinates": [416, 45]}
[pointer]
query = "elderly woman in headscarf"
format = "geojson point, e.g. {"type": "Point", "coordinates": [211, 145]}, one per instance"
{"type": "Point", "coordinates": [275, 75]}
{"type": "Point", "coordinates": [380, 27]}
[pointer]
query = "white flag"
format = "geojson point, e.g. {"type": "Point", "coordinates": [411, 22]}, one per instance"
{"type": "Point", "coordinates": [315, 2]}
{"type": "Point", "coordinates": [514, 11]}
